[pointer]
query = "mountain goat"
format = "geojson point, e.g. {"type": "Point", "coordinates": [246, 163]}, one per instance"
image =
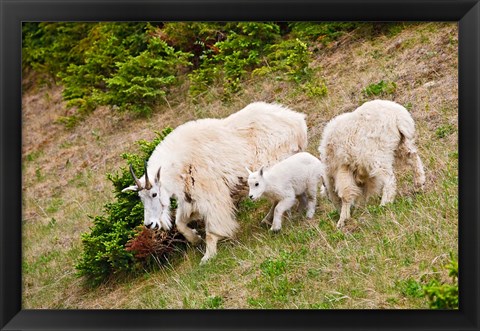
{"type": "Point", "coordinates": [201, 164]}
{"type": "Point", "coordinates": [359, 150]}
{"type": "Point", "coordinates": [296, 177]}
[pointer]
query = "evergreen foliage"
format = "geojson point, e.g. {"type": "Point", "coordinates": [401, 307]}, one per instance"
{"type": "Point", "coordinates": [443, 295]}
{"type": "Point", "coordinates": [132, 66]}
{"type": "Point", "coordinates": [104, 250]}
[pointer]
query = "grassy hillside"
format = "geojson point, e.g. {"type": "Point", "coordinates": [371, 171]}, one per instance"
{"type": "Point", "coordinates": [381, 261]}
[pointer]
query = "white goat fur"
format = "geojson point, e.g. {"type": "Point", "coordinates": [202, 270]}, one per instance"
{"type": "Point", "coordinates": [296, 177]}
{"type": "Point", "coordinates": [359, 150]}
{"type": "Point", "coordinates": [202, 164]}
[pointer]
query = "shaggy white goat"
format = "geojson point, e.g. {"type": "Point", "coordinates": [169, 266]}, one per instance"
{"type": "Point", "coordinates": [201, 164]}
{"type": "Point", "coordinates": [359, 150]}
{"type": "Point", "coordinates": [296, 177]}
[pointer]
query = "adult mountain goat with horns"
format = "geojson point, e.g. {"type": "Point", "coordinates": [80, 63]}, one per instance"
{"type": "Point", "coordinates": [202, 165]}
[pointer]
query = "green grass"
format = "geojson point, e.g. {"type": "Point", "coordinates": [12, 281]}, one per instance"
{"type": "Point", "coordinates": [310, 264]}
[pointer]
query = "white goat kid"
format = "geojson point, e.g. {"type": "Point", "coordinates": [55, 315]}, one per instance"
{"type": "Point", "coordinates": [295, 178]}
{"type": "Point", "coordinates": [359, 150]}
{"type": "Point", "coordinates": [202, 167]}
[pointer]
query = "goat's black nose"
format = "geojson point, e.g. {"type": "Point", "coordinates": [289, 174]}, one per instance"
{"type": "Point", "coordinates": [149, 225]}
{"type": "Point", "coordinates": [251, 197]}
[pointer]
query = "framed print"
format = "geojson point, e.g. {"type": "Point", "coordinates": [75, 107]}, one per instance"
{"type": "Point", "coordinates": [239, 165]}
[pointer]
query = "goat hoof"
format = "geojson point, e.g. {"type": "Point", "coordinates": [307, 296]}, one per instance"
{"type": "Point", "coordinates": [205, 259]}
{"type": "Point", "coordinates": [275, 230]}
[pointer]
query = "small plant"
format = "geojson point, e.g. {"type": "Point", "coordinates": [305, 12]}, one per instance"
{"type": "Point", "coordinates": [445, 130]}
{"type": "Point", "coordinates": [380, 88]}
{"type": "Point", "coordinates": [442, 295]}
{"type": "Point", "coordinates": [68, 121]}
{"type": "Point", "coordinates": [315, 89]}
{"type": "Point", "coordinates": [213, 302]}
{"type": "Point", "coordinates": [395, 28]}
{"type": "Point", "coordinates": [411, 287]}
{"type": "Point", "coordinates": [39, 175]}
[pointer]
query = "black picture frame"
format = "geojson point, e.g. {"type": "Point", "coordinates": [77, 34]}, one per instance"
{"type": "Point", "coordinates": [14, 12]}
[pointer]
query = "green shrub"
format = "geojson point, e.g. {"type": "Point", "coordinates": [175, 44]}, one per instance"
{"type": "Point", "coordinates": [290, 58]}
{"type": "Point", "coordinates": [325, 32]}
{"type": "Point", "coordinates": [444, 295]}
{"type": "Point", "coordinates": [128, 68]}
{"type": "Point", "coordinates": [51, 47]}
{"type": "Point", "coordinates": [131, 66]}
{"type": "Point", "coordinates": [235, 56]}
{"type": "Point", "coordinates": [104, 251]}
{"type": "Point", "coordinates": [124, 65]}
{"type": "Point", "coordinates": [141, 81]}
{"type": "Point", "coordinates": [196, 38]}
{"type": "Point", "coordinates": [111, 43]}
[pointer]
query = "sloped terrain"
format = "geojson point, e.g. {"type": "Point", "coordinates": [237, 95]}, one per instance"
{"type": "Point", "coordinates": [380, 262]}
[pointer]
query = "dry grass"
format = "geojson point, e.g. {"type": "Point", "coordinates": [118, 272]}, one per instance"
{"type": "Point", "coordinates": [308, 265]}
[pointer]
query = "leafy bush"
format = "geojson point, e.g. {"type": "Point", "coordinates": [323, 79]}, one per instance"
{"type": "Point", "coordinates": [104, 250]}
{"type": "Point", "coordinates": [444, 295]}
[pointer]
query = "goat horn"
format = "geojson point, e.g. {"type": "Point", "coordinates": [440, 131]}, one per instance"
{"type": "Point", "coordinates": [148, 185]}
{"type": "Point", "coordinates": [137, 182]}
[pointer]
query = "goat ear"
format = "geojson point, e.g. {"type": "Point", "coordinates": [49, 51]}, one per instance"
{"type": "Point", "coordinates": [130, 188]}
{"type": "Point", "coordinates": [157, 177]}
{"type": "Point", "coordinates": [261, 170]}
{"type": "Point", "coordinates": [249, 172]}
